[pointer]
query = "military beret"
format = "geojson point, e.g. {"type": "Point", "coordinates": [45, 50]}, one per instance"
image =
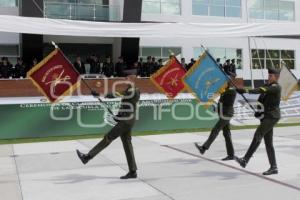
{"type": "Point", "coordinates": [273, 71]}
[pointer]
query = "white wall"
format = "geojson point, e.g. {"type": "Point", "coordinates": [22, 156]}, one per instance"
{"type": "Point", "coordinates": [9, 38]}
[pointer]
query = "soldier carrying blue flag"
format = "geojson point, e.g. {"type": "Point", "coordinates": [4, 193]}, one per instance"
{"type": "Point", "coordinates": [225, 112]}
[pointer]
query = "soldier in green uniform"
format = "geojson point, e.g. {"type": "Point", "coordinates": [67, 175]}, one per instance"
{"type": "Point", "coordinates": [269, 99]}
{"type": "Point", "coordinates": [126, 119]}
{"type": "Point", "coordinates": [225, 112]}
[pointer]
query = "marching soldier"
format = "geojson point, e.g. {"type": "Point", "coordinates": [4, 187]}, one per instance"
{"type": "Point", "coordinates": [126, 119]}
{"type": "Point", "coordinates": [269, 98]}
{"type": "Point", "coordinates": [225, 112]}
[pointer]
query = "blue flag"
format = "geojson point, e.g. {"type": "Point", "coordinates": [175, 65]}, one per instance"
{"type": "Point", "coordinates": [205, 79]}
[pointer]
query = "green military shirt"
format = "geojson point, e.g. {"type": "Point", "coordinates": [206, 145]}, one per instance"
{"type": "Point", "coordinates": [226, 102]}
{"type": "Point", "coordinates": [270, 95]}
{"type": "Point", "coordinates": [127, 111]}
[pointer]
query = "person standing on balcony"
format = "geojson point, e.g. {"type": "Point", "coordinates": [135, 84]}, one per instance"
{"type": "Point", "coordinates": [94, 64]}
{"type": "Point", "coordinates": [5, 68]}
{"type": "Point", "coordinates": [148, 67]}
{"type": "Point", "coordinates": [108, 67]}
{"type": "Point", "coordinates": [120, 66]}
{"type": "Point", "coordinates": [79, 65]}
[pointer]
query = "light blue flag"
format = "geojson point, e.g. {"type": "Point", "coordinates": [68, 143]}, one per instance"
{"type": "Point", "coordinates": [205, 79]}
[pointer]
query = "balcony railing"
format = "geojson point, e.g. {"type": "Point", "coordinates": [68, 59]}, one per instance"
{"type": "Point", "coordinates": [76, 11]}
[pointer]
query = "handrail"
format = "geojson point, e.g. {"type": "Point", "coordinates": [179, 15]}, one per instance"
{"type": "Point", "coordinates": [93, 13]}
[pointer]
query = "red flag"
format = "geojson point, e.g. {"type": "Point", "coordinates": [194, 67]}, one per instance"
{"type": "Point", "coordinates": [55, 76]}
{"type": "Point", "coordinates": [169, 78]}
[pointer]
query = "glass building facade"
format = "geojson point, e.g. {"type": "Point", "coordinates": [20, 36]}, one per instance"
{"type": "Point", "coordinates": [272, 10]}
{"type": "Point", "coordinates": [163, 7]}
{"type": "Point", "coordinates": [90, 10]}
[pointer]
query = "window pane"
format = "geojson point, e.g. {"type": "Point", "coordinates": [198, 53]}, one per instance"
{"type": "Point", "coordinates": [256, 14]}
{"type": "Point", "coordinates": [272, 53]}
{"type": "Point", "coordinates": [286, 11]}
{"type": "Point", "coordinates": [8, 3]}
{"type": "Point", "coordinates": [273, 64]}
{"type": "Point", "coordinates": [85, 12]}
{"type": "Point", "coordinates": [258, 64]}
{"type": "Point", "coordinates": [58, 10]}
{"type": "Point", "coordinates": [151, 51]}
{"type": "Point", "coordinates": [271, 4]}
{"type": "Point", "coordinates": [223, 54]}
{"type": "Point", "coordinates": [168, 8]}
{"type": "Point", "coordinates": [166, 51]}
{"type": "Point", "coordinates": [171, 1]}
{"type": "Point", "coordinates": [286, 15]}
{"type": "Point", "coordinates": [239, 53]}
{"type": "Point", "coordinates": [239, 64]}
{"type": "Point", "coordinates": [217, 11]}
{"type": "Point", "coordinates": [233, 11]}
{"type": "Point", "coordinates": [9, 50]}
{"type": "Point", "coordinates": [201, 1]}
{"type": "Point", "coordinates": [231, 53]}
{"type": "Point", "coordinates": [218, 53]}
{"type": "Point", "coordinates": [256, 4]}
{"type": "Point", "coordinates": [287, 54]}
{"type": "Point", "coordinates": [287, 5]}
{"type": "Point", "coordinates": [217, 2]}
{"type": "Point", "coordinates": [102, 13]}
{"type": "Point", "coordinates": [290, 63]}
{"type": "Point", "coordinates": [233, 2]}
{"type": "Point", "coordinates": [234, 54]}
{"type": "Point", "coordinates": [272, 14]}
{"type": "Point", "coordinates": [200, 9]}
{"type": "Point", "coordinates": [258, 53]}
{"type": "Point", "coordinates": [151, 7]}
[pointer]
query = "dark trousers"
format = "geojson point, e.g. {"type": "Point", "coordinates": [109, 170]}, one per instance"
{"type": "Point", "coordinates": [224, 125]}
{"type": "Point", "coordinates": [124, 131]}
{"type": "Point", "coordinates": [264, 130]}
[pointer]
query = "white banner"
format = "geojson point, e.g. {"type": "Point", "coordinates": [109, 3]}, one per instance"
{"type": "Point", "coordinates": [45, 26]}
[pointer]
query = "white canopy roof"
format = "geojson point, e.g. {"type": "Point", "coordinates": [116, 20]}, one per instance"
{"type": "Point", "coordinates": [45, 26]}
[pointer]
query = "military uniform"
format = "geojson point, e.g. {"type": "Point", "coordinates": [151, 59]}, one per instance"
{"type": "Point", "coordinates": [270, 95]}
{"type": "Point", "coordinates": [126, 120]}
{"type": "Point", "coordinates": [225, 112]}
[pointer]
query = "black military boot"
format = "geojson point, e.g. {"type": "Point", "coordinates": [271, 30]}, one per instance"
{"type": "Point", "coordinates": [83, 157]}
{"type": "Point", "coordinates": [131, 174]}
{"type": "Point", "coordinates": [228, 158]}
{"type": "Point", "coordinates": [242, 161]}
{"type": "Point", "coordinates": [272, 170]}
{"type": "Point", "coordinates": [200, 148]}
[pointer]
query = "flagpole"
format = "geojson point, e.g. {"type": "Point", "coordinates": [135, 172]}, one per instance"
{"type": "Point", "coordinates": [231, 81]}
{"type": "Point", "coordinates": [249, 48]}
{"type": "Point", "coordinates": [85, 83]}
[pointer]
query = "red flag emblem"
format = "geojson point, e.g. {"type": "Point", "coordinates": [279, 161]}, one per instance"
{"type": "Point", "coordinates": [169, 78]}
{"type": "Point", "coordinates": [55, 76]}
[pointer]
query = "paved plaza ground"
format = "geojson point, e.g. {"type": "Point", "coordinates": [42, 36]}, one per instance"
{"type": "Point", "coordinates": [169, 168]}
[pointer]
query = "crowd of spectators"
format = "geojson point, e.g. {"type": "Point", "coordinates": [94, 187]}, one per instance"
{"type": "Point", "coordinates": [8, 70]}
{"type": "Point", "coordinates": [142, 68]}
